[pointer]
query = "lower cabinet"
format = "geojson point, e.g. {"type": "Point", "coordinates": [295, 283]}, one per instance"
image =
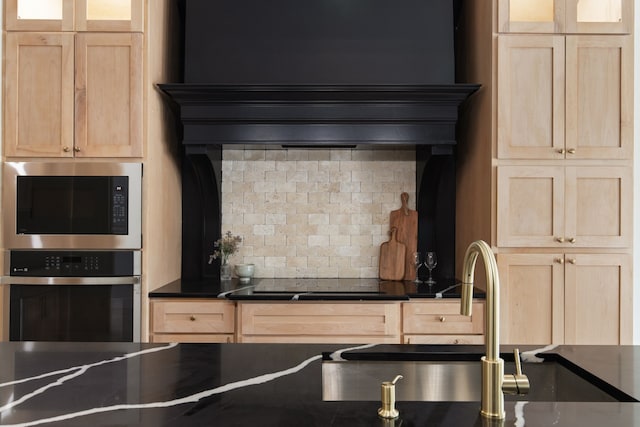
{"type": "Point", "coordinates": [439, 322]}
{"type": "Point", "coordinates": [566, 298]}
{"type": "Point", "coordinates": [192, 320]}
{"type": "Point", "coordinates": [335, 322]}
{"type": "Point", "coordinates": [363, 322]}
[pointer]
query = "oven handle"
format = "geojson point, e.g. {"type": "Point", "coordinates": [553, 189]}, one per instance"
{"type": "Point", "coordinates": [20, 280]}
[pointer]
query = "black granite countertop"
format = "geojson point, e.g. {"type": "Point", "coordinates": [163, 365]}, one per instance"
{"type": "Point", "coordinates": [134, 384]}
{"type": "Point", "coordinates": [309, 289]}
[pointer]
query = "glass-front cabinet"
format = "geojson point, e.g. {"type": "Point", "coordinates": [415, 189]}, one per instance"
{"type": "Point", "coordinates": [565, 16]}
{"type": "Point", "coordinates": [74, 15]}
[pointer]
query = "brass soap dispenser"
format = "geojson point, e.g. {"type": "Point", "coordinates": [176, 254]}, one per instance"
{"type": "Point", "coordinates": [388, 395]}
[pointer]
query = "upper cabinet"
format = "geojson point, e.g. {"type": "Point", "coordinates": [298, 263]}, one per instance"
{"type": "Point", "coordinates": [565, 97]}
{"type": "Point", "coordinates": [565, 16]}
{"type": "Point", "coordinates": [73, 95]}
{"type": "Point", "coordinates": [74, 15]}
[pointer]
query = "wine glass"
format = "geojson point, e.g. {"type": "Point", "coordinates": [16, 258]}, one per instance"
{"type": "Point", "coordinates": [417, 261]}
{"type": "Point", "coordinates": [430, 261]}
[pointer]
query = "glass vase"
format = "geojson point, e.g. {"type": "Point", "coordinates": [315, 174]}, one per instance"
{"type": "Point", "coordinates": [225, 271]}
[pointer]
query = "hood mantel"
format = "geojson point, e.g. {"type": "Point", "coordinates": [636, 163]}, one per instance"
{"type": "Point", "coordinates": [314, 115]}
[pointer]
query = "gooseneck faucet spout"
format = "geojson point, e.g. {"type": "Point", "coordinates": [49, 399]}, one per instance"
{"type": "Point", "coordinates": [494, 382]}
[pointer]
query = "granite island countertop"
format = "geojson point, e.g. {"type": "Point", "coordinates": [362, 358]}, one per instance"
{"type": "Point", "coordinates": [134, 384]}
{"type": "Point", "coordinates": [309, 290]}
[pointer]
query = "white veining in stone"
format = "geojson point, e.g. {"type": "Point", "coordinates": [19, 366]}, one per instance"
{"type": "Point", "coordinates": [519, 412]}
{"type": "Point", "coordinates": [79, 370]}
{"type": "Point", "coordinates": [530, 356]}
{"type": "Point", "coordinates": [163, 404]}
{"type": "Point", "coordinates": [337, 355]}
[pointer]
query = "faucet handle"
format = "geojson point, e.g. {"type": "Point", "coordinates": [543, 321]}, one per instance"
{"type": "Point", "coordinates": [516, 358]}
{"type": "Point", "coordinates": [517, 383]}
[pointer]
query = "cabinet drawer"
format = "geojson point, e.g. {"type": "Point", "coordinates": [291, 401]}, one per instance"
{"type": "Point", "coordinates": [443, 339]}
{"type": "Point", "coordinates": [337, 321]}
{"type": "Point", "coordinates": [437, 317]}
{"type": "Point", "coordinates": [192, 316]}
{"type": "Point", "coordinates": [204, 338]}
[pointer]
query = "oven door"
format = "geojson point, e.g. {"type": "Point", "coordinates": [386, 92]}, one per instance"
{"type": "Point", "coordinates": [88, 309]}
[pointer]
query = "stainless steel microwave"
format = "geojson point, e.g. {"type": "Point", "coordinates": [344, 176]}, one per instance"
{"type": "Point", "coordinates": [72, 205]}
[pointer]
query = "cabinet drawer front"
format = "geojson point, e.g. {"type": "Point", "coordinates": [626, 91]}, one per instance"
{"type": "Point", "coordinates": [204, 338]}
{"type": "Point", "coordinates": [444, 339]}
{"type": "Point", "coordinates": [193, 317]}
{"type": "Point", "coordinates": [334, 320]}
{"type": "Point", "coordinates": [435, 317]}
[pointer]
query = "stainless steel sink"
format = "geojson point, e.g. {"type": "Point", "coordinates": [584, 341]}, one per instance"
{"type": "Point", "coordinates": [453, 381]}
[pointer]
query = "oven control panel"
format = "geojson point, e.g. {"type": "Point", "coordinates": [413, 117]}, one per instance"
{"type": "Point", "coordinates": [71, 263]}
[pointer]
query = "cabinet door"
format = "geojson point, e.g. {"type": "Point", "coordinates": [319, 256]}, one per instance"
{"type": "Point", "coordinates": [531, 16]}
{"type": "Point", "coordinates": [598, 202]}
{"type": "Point", "coordinates": [598, 299]}
{"type": "Point", "coordinates": [565, 16]}
{"type": "Point", "coordinates": [599, 16]}
{"type": "Point", "coordinates": [38, 15]}
{"type": "Point", "coordinates": [108, 95]}
{"type": "Point", "coordinates": [531, 97]}
{"type": "Point", "coordinates": [109, 15]}
{"type": "Point", "coordinates": [530, 206]}
{"type": "Point", "coordinates": [38, 119]}
{"type": "Point", "coordinates": [599, 116]}
{"type": "Point", "coordinates": [74, 15]}
{"type": "Point", "coordinates": [531, 298]}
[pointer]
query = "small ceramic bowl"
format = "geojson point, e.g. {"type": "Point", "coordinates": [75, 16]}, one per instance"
{"type": "Point", "coordinates": [245, 272]}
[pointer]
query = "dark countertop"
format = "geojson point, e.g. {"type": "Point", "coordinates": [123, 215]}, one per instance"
{"type": "Point", "coordinates": [309, 290]}
{"type": "Point", "coordinates": [133, 384]}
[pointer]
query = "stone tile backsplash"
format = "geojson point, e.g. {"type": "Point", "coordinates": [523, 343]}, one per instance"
{"type": "Point", "coordinates": [313, 213]}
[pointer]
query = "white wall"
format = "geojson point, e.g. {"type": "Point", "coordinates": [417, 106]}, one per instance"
{"type": "Point", "coordinates": [636, 198]}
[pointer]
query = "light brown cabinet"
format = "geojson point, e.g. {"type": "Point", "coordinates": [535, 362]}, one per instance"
{"type": "Point", "coordinates": [363, 322]}
{"type": "Point", "coordinates": [550, 134]}
{"type": "Point", "coordinates": [72, 95]}
{"type": "Point", "coordinates": [566, 298]}
{"type": "Point", "coordinates": [74, 15]}
{"type": "Point", "coordinates": [564, 207]}
{"type": "Point", "coordinates": [439, 322]}
{"type": "Point", "coordinates": [192, 320]}
{"type": "Point", "coordinates": [565, 16]}
{"type": "Point", "coordinates": [335, 322]}
{"type": "Point", "coordinates": [565, 97]}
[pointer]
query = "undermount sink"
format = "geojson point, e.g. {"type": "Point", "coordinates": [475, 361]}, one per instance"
{"type": "Point", "coordinates": [456, 380]}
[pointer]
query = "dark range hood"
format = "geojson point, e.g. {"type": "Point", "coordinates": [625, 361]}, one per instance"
{"type": "Point", "coordinates": [322, 116]}
{"type": "Point", "coordinates": [317, 73]}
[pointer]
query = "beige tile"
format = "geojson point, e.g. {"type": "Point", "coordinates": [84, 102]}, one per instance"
{"type": "Point", "coordinates": [297, 262]}
{"type": "Point", "coordinates": [319, 219]}
{"type": "Point", "coordinates": [339, 240]}
{"type": "Point", "coordinates": [341, 154]}
{"type": "Point", "coordinates": [263, 230]}
{"type": "Point", "coordinates": [275, 262]}
{"type": "Point", "coordinates": [275, 218]}
{"type": "Point", "coordinates": [303, 209]}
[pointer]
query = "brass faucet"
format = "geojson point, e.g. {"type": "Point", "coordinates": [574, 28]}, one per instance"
{"type": "Point", "coordinates": [494, 382]}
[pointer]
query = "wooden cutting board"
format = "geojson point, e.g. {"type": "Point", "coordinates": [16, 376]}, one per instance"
{"type": "Point", "coordinates": [405, 220]}
{"type": "Point", "coordinates": [392, 255]}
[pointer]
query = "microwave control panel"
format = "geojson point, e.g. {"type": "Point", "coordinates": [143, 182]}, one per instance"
{"type": "Point", "coordinates": [119, 203]}
{"type": "Point", "coordinates": [71, 263]}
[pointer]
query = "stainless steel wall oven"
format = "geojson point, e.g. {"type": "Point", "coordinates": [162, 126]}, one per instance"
{"type": "Point", "coordinates": [72, 295]}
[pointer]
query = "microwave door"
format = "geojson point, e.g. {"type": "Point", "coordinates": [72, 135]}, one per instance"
{"type": "Point", "coordinates": [63, 205]}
